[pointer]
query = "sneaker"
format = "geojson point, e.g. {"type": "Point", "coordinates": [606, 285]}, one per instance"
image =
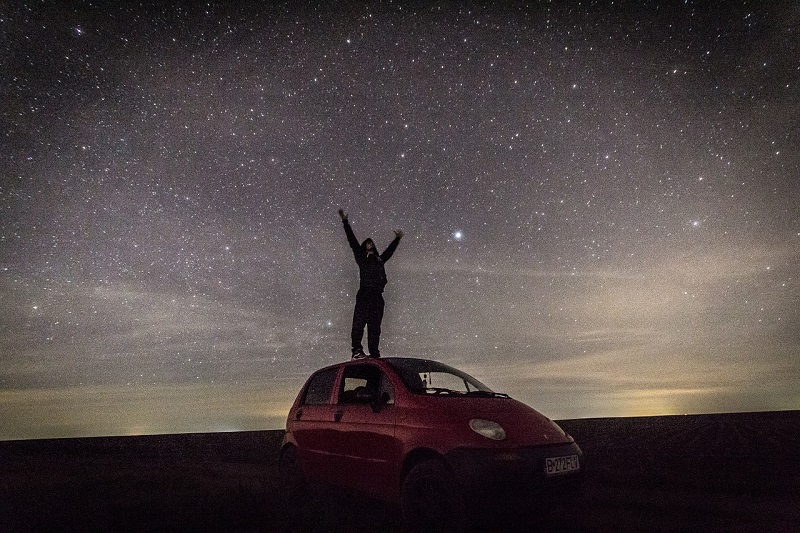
{"type": "Point", "coordinates": [359, 354]}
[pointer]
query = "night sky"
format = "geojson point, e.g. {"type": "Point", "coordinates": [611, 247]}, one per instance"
{"type": "Point", "coordinates": [600, 200]}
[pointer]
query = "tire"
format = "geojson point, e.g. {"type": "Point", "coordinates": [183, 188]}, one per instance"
{"type": "Point", "coordinates": [291, 473]}
{"type": "Point", "coordinates": [431, 500]}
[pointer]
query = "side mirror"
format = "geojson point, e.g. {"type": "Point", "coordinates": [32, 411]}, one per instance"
{"type": "Point", "coordinates": [378, 403]}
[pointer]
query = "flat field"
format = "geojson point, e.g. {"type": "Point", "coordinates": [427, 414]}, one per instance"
{"type": "Point", "coordinates": [720, 472]}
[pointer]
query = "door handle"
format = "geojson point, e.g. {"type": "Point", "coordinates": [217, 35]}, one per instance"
{"type": "Point", "coordinates": [337, 416]}
{"type": "Point", "coordinates": [298, 414]}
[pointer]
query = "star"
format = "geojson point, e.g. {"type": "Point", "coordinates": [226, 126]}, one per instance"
{"type": "Point", "coordinates": [172, 189]}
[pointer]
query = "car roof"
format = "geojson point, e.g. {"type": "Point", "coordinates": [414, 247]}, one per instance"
{"type": "Point", "coordinates": [376, 360]}
{"type": "Point", "coordinates": [386, 364]}
{"type": "Point", "coordinates": [379, 361]}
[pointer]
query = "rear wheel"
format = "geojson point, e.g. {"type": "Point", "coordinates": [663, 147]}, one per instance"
{"type": "Point", "coordinates": [431, 500]}
{"type": "Point", "coordinates": [294, 483]}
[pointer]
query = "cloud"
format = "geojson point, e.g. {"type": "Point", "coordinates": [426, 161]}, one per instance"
{"type": "Point", "coordinates": [145, 409]}
{"type": "Point", "coordinates": [119, 332]}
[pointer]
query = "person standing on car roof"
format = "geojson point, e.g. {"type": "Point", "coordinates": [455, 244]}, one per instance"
{"type": "Point", "coordinates": [369, 299]}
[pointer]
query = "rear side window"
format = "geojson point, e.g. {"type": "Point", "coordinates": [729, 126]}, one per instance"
{"type": "Point", "coordinates": [320, 387]}
{"type": "Point", "coordinates": [365, 377]}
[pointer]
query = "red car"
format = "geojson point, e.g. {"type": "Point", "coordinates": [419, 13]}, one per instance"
{"type": "Point", "coordinates": [423, 434]}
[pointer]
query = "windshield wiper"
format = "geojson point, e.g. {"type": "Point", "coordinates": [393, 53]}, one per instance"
{"type": "Point", "coordinates": [487, 394]}
{"type": "Point", "coordinates": [442, 390]}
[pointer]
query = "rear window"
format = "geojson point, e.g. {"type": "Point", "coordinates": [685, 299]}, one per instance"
{"type": "Point", "coordinates": [320, 387]}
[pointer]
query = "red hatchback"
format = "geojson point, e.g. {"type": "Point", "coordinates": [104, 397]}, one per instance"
{"type": "Point", "coordinates": [423, 434]}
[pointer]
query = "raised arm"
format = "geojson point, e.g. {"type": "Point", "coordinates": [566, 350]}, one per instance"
{"type": "Point", "coordinates": [398, 234]}
{"type": "Point", "coordinates": [351, 237]}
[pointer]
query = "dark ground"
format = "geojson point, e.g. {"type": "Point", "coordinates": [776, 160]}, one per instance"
{"type": "Point", "coordinates": [731, 472]}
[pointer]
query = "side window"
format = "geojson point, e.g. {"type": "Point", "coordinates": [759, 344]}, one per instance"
{"type": "Point", "coordinates": [361, 383]}
{"type": "Point", "coordinates": [320, 387]}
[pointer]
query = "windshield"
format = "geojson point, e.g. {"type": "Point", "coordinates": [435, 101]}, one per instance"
{"type": "Point", "coordinates": [431, 377]}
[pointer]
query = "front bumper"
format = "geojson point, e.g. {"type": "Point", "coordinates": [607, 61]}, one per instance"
{"type": "Point", "coordinates": [520, 468]}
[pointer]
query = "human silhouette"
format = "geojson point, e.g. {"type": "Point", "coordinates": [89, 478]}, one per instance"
{"type": "Point", "coordinates": [368, 311]}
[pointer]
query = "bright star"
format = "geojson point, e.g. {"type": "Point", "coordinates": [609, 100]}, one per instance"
{"type": "Point", "coordinates": [458, 235]}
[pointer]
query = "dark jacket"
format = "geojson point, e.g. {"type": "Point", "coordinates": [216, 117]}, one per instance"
{"type": "Point", "coordinates": [370, 266]}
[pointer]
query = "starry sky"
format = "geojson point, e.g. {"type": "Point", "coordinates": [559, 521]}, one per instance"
{"type": "Point", "coordinates": [599, 200]}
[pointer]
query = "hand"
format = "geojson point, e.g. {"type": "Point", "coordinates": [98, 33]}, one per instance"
{"type": "Point", "coordinates": [342, 215]}
{"type": "Point", "coordinates": [399, 233]}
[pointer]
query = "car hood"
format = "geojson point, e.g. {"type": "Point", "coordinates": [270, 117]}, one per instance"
{"type": "Point", "coordinates": [524, 426]}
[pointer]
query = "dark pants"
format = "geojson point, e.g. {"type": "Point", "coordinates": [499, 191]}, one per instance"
{"type": "Point", "coordinates": [369, 313]}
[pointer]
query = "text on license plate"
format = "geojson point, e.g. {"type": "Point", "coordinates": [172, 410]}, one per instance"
{"type": "Point", "coordinates": [561, 465]}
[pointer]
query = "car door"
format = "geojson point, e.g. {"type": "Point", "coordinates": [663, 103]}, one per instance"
{"type": "Point", "coordinates": [313, 426]}
{"type": "Point", "coordinates": [369, 452]}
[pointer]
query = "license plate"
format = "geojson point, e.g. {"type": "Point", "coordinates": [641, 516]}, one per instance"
{"type": "Point", "coordinates": [554, 466]}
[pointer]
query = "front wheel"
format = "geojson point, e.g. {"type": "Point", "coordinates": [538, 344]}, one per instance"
{"type": "Point", "coordinates": [431, 499]}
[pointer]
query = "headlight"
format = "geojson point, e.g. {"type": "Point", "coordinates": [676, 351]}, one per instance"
{"type": "Point", "coordinates": [487, 428]}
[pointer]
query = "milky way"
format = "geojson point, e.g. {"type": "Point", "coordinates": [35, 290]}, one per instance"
{"type": "Point", "coordinates": [600, 204]}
